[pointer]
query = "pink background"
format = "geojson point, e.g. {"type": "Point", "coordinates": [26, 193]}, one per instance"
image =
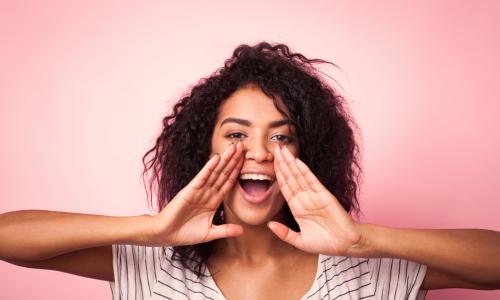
{"type": "Point", "coordinates": [83, 88]}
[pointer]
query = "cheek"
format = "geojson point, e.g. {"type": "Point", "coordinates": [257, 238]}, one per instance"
{"type": "Point", "coordinates": [279, 200]}
{"type": "Point", "coordinates": [293, 148]}
{"type": "Point", "coordinates": [215, 148]}
{"type": "Point", "coordinates": [218, 145]}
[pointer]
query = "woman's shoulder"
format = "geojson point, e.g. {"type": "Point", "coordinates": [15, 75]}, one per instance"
{"type": "Point", "coordinates": [159, 258]}
{"type": "Point", "coordinates": [365, 277]}
{"type": "Point", "coordinates": [149, 271]}
{"type": "Point", "coordinates": [126, 253]}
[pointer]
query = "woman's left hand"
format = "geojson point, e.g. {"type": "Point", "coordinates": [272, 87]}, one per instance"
{"type": "Point", "coordinates": [325, 226]}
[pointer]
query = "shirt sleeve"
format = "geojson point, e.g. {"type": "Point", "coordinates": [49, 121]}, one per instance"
{"type": "Point", "coordinates": [395, 278]}
{"type": "Point", "coordinates": [133, 271]}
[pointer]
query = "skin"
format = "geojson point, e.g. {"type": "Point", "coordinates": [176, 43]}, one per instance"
{"type": "Point", "coordinates": [257, 234]}
{"type": "Point", "coordinates": [254, 250]}
{"type": "Point", "coordinates": [258, 141]}
{"type": "Point", "coordinates": [253, 264]}
{"type": "Point", "coordinates": [247, 253]}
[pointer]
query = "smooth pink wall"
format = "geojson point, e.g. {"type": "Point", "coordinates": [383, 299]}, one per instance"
{"type": "Point", "coordinates": [83, 88]}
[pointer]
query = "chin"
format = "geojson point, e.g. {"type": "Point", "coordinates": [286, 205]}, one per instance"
{"type": "Point", "coordinates": [253, 218]}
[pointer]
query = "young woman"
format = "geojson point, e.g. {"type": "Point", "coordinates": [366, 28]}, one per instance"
{"type": "Point", "coordinates": [256, 175]}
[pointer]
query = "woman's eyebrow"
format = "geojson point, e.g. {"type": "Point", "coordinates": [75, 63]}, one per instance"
{"type": "Point", "coordinates": [245, 122]}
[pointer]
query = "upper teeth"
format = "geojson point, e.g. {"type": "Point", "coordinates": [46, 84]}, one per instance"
{"type": "Point", "coordinates": [256, 176]}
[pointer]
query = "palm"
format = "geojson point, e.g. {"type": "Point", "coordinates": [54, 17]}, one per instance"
{"type": "Point", "coordinates": [191, 226]}
{"type": "Point", "coordinates": [325, 227]}
{"type": "Point", "coordinates": [187, 219]}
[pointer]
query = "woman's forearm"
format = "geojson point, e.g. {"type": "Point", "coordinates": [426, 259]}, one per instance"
{"type": "Point", "coordinates": [471, 254]}
{"type": "Point", "coordinates": [31, 235]}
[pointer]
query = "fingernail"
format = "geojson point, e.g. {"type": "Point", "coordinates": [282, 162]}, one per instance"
{"type": "Point", "coordinates": [286, 149]}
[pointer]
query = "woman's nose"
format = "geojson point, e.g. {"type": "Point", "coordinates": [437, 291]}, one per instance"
{"type": "Point", "coordinates": [258, 151]}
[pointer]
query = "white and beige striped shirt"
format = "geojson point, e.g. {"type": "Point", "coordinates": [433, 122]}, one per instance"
{"type": "Point", "coordinates": [147, 273]}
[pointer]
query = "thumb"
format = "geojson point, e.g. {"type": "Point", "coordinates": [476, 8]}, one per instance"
{"type": "Point", "coordinates": [284, 233]}
{"type": "Point", "coordinates": [224, 231]}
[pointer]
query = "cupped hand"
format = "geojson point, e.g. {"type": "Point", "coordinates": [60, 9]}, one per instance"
{"type": "Point", "coordinates": [187, 218]}
{"type": "Point", "coordinates": [325, 227]}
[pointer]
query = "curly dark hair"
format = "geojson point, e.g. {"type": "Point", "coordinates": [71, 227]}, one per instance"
{"type": "Point", "coordinates": [323, 126]}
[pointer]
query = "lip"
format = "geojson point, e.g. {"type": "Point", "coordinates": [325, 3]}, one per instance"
{"type": "Point", "coordinates": [254, 199]}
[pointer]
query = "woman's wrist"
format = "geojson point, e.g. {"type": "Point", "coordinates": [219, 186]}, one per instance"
{"type": "Point", "coordinates": [369, 241]}
{"type": "Point", "coordinates": [137, 230]}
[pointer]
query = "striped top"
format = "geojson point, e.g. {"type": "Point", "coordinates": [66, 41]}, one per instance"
{"type": "Point", "coordinates": [147, 273]}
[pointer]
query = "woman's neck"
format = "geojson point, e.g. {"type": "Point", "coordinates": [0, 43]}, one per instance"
{"type": "Point", "coordinates": [255, 244]}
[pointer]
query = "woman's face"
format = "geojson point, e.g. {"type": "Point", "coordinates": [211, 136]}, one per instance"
{"type": "Point", "coordinates": [250, 116]}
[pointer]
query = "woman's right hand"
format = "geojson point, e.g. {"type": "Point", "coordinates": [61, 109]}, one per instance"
{"type": "Point", "coordinates": [187, 219]}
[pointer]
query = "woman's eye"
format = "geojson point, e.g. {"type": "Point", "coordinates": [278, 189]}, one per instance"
{"type": "Point", "coordinates": [235, 135]}
{"type": "Point", "coordinates": [282, 138]}
{"type": "Point", "coordinates": [279, 137]}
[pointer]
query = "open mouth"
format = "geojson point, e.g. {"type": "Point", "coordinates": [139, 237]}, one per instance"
{"type": "Point", "coordinates": [256, 190]}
